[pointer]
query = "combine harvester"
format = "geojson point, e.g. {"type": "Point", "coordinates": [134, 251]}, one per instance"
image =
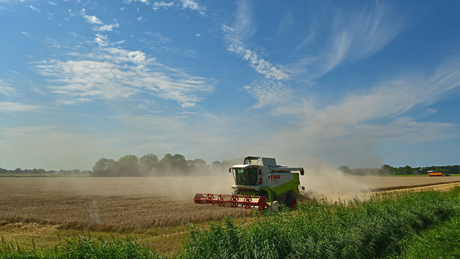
{"type": "Point", "coordinates": [259, 183]}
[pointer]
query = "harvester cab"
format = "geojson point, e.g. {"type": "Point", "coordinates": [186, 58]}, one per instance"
{"type": "Point", "coordinates": [259, 182]}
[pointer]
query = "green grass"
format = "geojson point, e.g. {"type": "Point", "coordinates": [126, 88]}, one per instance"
{"type": "Point", "coordinates": [83, 247]}
{"type": "Point", "coordinates": [372, 229]}
{"type": "Point", "coordinates": [439, 242]}
{"type": "Point", "coordinates": [407, 225]}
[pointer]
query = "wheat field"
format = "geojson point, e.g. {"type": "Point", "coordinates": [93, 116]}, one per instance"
{"type": "Point", "coordinates": [110, 204]}
{"type": "Point", "coordinates": [135, 203]}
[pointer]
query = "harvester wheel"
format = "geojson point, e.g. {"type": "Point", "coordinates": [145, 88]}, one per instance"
{"type": "Point", "coordinates": [291, 202]}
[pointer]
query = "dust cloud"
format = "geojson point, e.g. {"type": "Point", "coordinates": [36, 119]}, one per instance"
{"type": "Point", "coordinates": [320, 181]}
{"type": "Point", "coordinates": [326, 182]}
{"type": "Point", "coordinates": [174, 187]}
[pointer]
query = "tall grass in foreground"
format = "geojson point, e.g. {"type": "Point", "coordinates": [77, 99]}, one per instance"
{"type": "Point", "coordinates": [442, 241]}
{"type": "Point", "coordinates": [371, 229]}
{"type": "Point", "coordinates": [384, 226]}
{"type": "Point", "coordinates": [83, 247]}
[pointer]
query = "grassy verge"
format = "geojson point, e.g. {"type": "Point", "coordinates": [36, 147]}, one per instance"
{"type": "Point", "coordinates": [439, 242]}
{"type": "Point", "coordinates": [84, 247]}
{"type": "Point", "coordinates": [371, 229]}
{"type": "Point", "coordinates": [384, 226]}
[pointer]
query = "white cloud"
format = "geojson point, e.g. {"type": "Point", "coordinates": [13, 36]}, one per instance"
{"type": "Point", "coordinates": [17, 107]}
{"type": "Point", "coordinates": [158, 5]}
{"type": "Point", "coordinates": [92, 19]}
{"type": "Point", "coordinates": [235, 35]}
{"type": "Point", "coordinates": [269, 93]}
{"type": "Point", "coordinates": [34, 8]}
{"type": "Point", "coordinates": [142, 19]}
{"type": "Point", "coordinates": [111, 72]}
{"type": "Point", "coordinates": [52, 3]}
{"type": "Point", "coordinates": [7, 90]}
{"type": "Point", "coordinates": [106, 27]}
{"type": "Point", "coordinates": [192, 5]}
{"type": "Point", "coordinates": [147, 2]}
{"type": "Point", "coordinates": [351, 36]}
{"type": "Point", "coordinates": [259, 64]}
{"type": "Point", "coordinates": [273, 89]}
{"type": "Point", "coordinates": [347, 132]}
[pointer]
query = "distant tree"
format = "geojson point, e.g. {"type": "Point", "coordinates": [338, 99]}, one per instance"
{"type": "Point", "coordinates": [345, 169]}
{"type": "Point", "coordinates": [453, 170]}
{"type": "Point", "coordinates": [199, 166]}
{"type": "Point", "coordinates": [216, 165]}
{"type": "Point", "coordinates": [387, 169]}
{"type": "Point", "coordinates": [128, 166]}
{"type": "Point", "coordinates": [200, 163]}
{"type": "Point", "coordinates": [173, 164]}
{"type": "Point", "coordinates": [147, 163]}
{"type": "Point", "coordinates": [104, 167]}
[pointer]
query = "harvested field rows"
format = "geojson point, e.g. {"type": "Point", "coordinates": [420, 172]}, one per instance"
{"type": "Point", "coordinates": [107, 204]}
{"type": "Point", "coordinates": [135, 204]}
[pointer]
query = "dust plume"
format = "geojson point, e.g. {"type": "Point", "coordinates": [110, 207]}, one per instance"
{"type": "Point", "coordinates": [325, 182]}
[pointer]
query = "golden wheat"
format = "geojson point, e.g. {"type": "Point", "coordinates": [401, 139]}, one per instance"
{"type": "Point", "coordinates": [131, 204]}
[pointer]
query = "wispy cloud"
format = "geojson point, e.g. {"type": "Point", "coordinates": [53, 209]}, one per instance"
{"type": "Point", "coordinates": [158, 5]}
{"type": "Point", "coordinates": [351, 34]}
{"type": "Point", "coordinates": [273, 89]}
{"type": "Point", "coordinates": [392, 98]}
{"type": "Point", "coordinates": [92, 19]}
{"type": "Point", "coordinates": [259, 64]}
{"type": "Point", "coordinates": [183, 4]}
{"type": "Point", "coordinates": [9, 107]}
{"type": "Point", "coordinates": [192, 5]}
{"type": "Point", "coordinates": [268, 93]}
{"type": "Point", "coordinates": [96, 21]}
{"type": "Point", "coordinates": [107, 27]}
{"type": "Point", "coordinates": [363, 119]}
{"type": "Point", "coordinates": [34, 8]}
{"type": "Point", "coordinates": [7, 90]}
{"type": "Point", "coordinates": [111, 72]}
{"type": "Point", "coordinates": [147, 2]}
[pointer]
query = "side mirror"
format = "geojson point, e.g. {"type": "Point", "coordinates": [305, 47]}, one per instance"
{"type": "Point", "coordinates": [230, 170]}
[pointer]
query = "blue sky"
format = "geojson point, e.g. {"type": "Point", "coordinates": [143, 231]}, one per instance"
{"type": "Point", "coordinates": [357, 83]}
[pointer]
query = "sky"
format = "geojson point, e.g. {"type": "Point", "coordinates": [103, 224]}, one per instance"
{"type": "Point", "coordinates": [356, 83]}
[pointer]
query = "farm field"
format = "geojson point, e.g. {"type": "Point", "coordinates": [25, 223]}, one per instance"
{"type": "Point", "coordinates": [133, 203]}
{"type": "Point", "coordinates": [159, 207]}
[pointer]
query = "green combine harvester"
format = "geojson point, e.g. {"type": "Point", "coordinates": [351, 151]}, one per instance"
{"type": "Point", "coordinates": [259, 183]}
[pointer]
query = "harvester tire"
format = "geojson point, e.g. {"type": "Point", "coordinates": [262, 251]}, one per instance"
{"type": "Point", "coordinates": [291, 202]}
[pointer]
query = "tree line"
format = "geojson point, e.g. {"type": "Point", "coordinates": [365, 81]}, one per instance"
{"type": "Point", "coordinates": [151, 165]}
{"type": "Point", "coordinates": [406, 170]}
{"type": "Point", "coordinates": [43, 171]}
